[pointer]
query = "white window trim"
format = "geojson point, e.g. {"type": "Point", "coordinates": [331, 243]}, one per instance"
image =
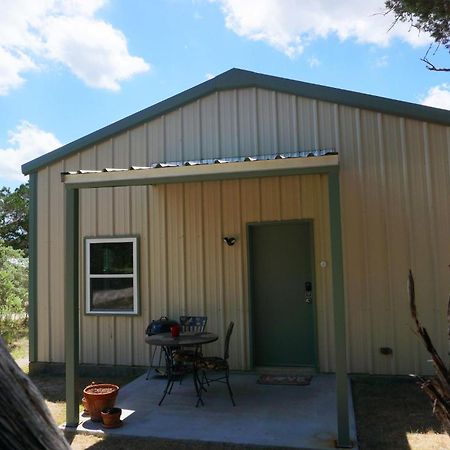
{"type": "Point", "coordinates": [89, 276]}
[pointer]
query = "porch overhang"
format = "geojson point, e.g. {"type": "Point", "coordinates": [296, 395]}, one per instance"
{"type": "Point", "coordinates": [200, 171]}
{"type": "Point", "coordinates": [74, 181]}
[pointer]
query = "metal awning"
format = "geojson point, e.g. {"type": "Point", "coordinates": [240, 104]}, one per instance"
{"type": "Point", "coordinates": [315, 163]}
{"type": "Point", "coordinates": [205, 170]}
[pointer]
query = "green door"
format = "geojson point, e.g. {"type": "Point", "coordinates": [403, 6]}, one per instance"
{"type": "Point", "coordinates": [283, 318]}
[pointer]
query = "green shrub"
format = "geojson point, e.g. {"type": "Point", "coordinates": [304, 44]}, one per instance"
{"type": "Point", "coordinates": [13, 292]}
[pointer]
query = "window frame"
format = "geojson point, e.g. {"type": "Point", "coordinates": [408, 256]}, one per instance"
{"type": "Point", "coordinates": [88, 276]}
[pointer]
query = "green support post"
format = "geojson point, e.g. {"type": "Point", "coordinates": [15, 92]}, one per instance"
{"type": "Point", "coordinates": [71, 319]}
{"type": "Point", "coordinates": [343, 440]}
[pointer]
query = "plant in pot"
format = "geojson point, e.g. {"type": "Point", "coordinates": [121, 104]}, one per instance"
{"type": "Point", "coordinates": [100, 396]}
{"type": "Point", "coordinates": [111, 417]}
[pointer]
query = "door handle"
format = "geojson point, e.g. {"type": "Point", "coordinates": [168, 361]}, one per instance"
{"type": "Point", "coordinates": [308, 292]}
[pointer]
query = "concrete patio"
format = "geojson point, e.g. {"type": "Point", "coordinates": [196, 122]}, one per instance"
{"type": "Point", "coordinates": [300, 417]}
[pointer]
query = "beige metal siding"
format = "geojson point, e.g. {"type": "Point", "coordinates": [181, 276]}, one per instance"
{"type": "Point", "coordinates": [395, 199]}
{"type": "Point", "coordinates": [45, 336]}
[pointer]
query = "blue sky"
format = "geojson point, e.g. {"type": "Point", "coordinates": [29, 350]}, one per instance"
{"type": "Point", "coordinates": [69, 67]}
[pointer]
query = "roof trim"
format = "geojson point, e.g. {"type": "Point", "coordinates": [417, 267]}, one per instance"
{"type": "Point", "coordinates": [235, 79]}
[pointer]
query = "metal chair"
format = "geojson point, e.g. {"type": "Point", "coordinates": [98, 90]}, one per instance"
{"type": "Point", "coordinates": [194, 324]}
{"type": "Point", "coordinates": [214, 364]}
{"type": "Point", "coordinates": [190, 324]}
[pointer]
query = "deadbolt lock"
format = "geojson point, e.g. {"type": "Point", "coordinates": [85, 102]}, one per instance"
{"type": "Point", "coordinates": [308, 292]}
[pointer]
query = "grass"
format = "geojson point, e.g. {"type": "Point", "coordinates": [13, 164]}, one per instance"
{"type": "Point", "coordinates": [19, 347]}
{"type": "Point", "coordinates": [391, 414]}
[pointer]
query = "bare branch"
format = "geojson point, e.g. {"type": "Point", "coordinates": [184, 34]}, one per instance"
{"type": "Point", "coordinates": [438, 387]}
{"type": "Point", "coordinates": [431, 66]}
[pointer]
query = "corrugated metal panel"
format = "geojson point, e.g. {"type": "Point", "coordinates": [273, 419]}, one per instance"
{"type": "Point", "coordinates": [286, 115]}
{"type": "Point", "coordinates": [175, 242]}
{"type": "Point", "coordinates": [138, 146]}
{"type": "Point", "coordinates": [247, 123]}
{"type": "Point", "coordinates": [232, 268]}
{"type": "Point", "coordinates": [123, 326]}
{"type": "Point", "coordinates": [173, 137]}
{"type": "Point", "coordinates": [55, 270]}
{"type": "Point", "coordinates": [157, 271]}
{"type": "Point", "coordinates": [228, 124]}
{"type": "Point", "coordinates": [88, 227]}
{"type": "Point", "coordinates": [44, 337]}
{"type": "Point", "coordinates": [106, 330]}
{"type": "Point", "coordinates": [307, 123]}
{"type": "Point", "coordinates": [267, 122]}
{"type": "Point", "coordinates": [209, 127]}
{"type": "Point", "coordinates": [191, 136]}
{"type": "Point", "coordinates": [214, 258]}
{"type": "Point", "coordinates": [156, 140]}
{"type": "Point", "coordinates": [193, 248]}
{"type": "Point", "coordinates": [140, 226]}
{"type": "Point", "coordinates": [395, 191]}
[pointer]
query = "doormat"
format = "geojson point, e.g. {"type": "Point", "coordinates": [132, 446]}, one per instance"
{"type": "Point", "coordinates": [288, 380]}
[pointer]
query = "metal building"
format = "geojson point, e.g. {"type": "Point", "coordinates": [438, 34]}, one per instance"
{"type": "Point", "coordinates": [393, 198]}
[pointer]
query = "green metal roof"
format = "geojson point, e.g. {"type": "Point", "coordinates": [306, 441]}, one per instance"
{"type": "Point", "coordinates": [238, 78]}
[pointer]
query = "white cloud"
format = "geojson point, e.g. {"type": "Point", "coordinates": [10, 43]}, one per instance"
{"type": "Point", "coordinates": [289, 25]}
{"type": "Point", "coordinates": [438, 96]}
{"type": "Point", "coordinates": [99, 55]}
{"type": "Point", "coordinates": [11, 67]}
{"type": "Point", "coordinates": [380, 62]}
{"type": "Point", "coordinates": [27, 142]}
{"type": "Point", "coordinates": [313, 62]}
{"type": "Point", "coordinates": [209, 76]}
{"type": "Point", "coordinates": [67, 32]}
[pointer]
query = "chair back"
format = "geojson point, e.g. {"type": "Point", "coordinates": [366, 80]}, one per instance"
{"type": "Point", "coordinates": [226, 351]}
{"type": "Point", "coordinates": [195, 324]}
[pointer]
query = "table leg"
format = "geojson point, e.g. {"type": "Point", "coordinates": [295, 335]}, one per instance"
{"type": "Point", "coordinates": [169, 368]}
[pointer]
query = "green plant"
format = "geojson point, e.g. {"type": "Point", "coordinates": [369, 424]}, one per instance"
{"type": "Point", "coordinates": [14, 208]}
{"type": "Point", "coordinates": [13, 292]}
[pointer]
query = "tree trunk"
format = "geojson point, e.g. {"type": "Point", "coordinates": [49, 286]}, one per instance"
{"type": "Point", "coordinates": [25, 421]}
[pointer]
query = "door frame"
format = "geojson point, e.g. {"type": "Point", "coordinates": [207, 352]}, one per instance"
{"type": "Point", "coordinates": [251, 302]}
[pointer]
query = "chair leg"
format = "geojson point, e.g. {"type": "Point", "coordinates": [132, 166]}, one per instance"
{"type": "Point", "coordinates": [204, 380]}
{"type": "Point", "coordinates": [167, 390]}
{"type": "Point", "coordinates": [227, 379]}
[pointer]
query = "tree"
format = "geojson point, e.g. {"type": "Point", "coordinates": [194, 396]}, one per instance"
{"type": "Point", "coordinates": [14, 217]}
{"type": "Point", "coordinates": [431, 16]}
{"type": "Point", "coordinates": [13, 292]}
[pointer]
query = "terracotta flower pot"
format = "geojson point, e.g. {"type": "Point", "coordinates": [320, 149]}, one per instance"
{"type": "Point", "coordinates": [100, 396]}
{"type": "Point", "coordinates": [85, 405]}
{"type": "Point", "coordinates": [111, 417]}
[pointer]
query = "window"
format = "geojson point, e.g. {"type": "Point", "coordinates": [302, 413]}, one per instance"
{"type": "Point", "coordinates": [111, 276]}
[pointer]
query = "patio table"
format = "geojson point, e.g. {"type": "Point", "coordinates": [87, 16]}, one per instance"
{"type": "Point", "coordinates": [167, 343]}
